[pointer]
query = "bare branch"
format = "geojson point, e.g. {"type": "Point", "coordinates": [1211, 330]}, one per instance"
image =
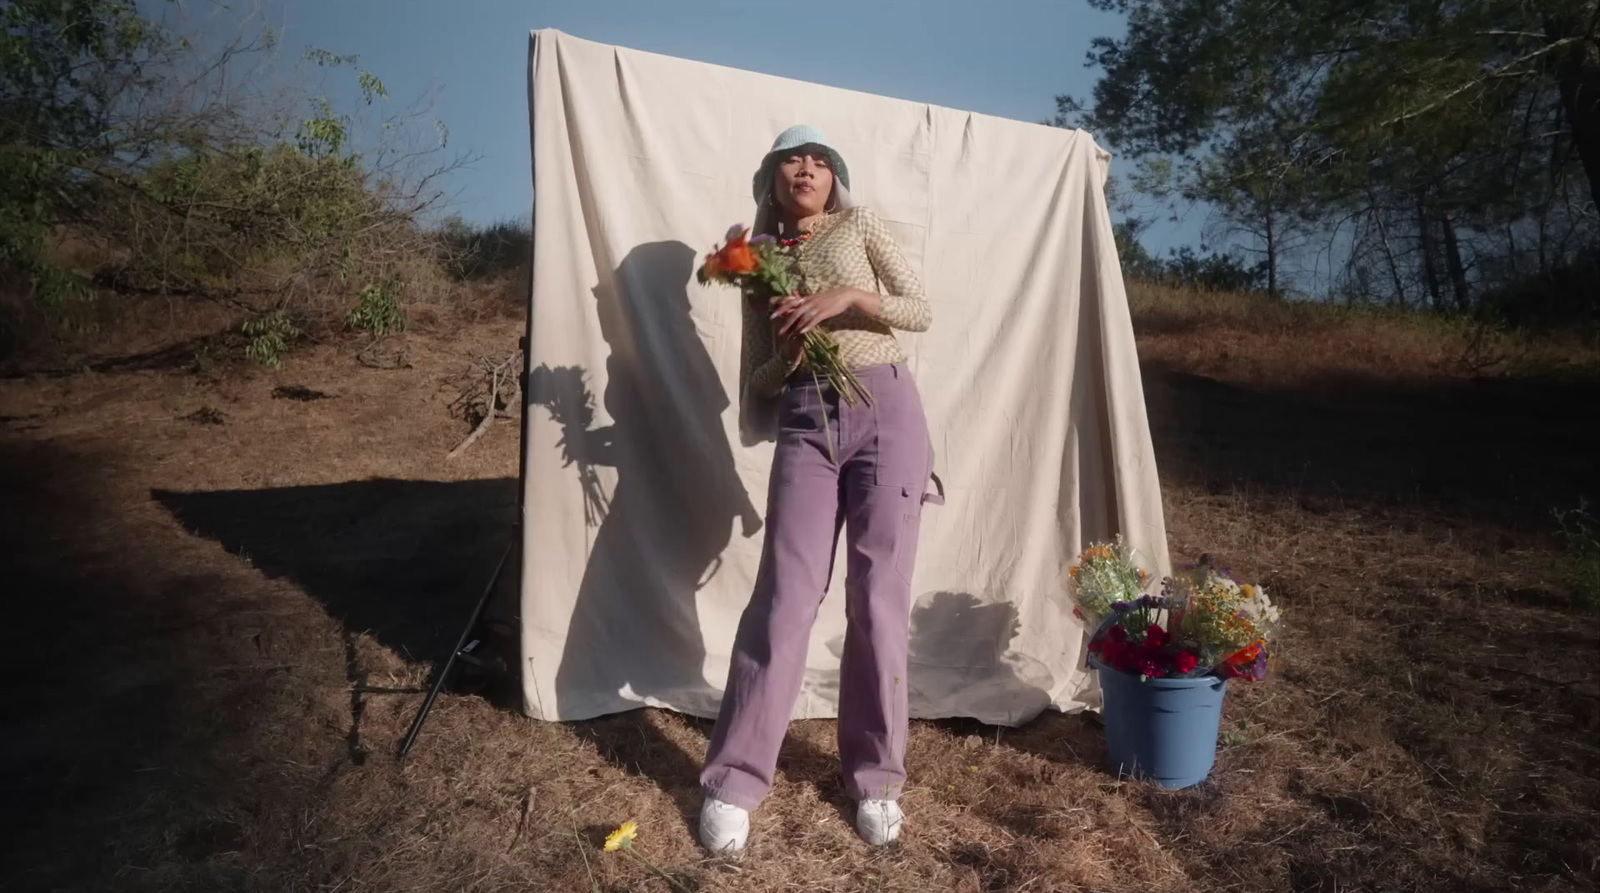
{"type": "Point", "coordinates": [1498, 72]}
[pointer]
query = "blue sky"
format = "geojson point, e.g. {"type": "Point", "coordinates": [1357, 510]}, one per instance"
{"type": "Point", "coordinates": [1001, 57]}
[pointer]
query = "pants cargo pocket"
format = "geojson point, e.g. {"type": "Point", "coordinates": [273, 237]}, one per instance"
{"type": "Point", "coordinates": [909, 527]}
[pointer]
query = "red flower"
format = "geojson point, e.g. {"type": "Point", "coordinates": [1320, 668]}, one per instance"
{"type": "Point", "coordinates": [1185, 662]}
{"type": "Point", "coordinates": [1112, 651]}
{"type": "Point", "coordinates": [1127, 660]}
{"type": "Point", "coordinates": [1152, 667]}
{"type": "Point", "coordinates": [1117, 634]}
{"type": "Point", "coordinates": [1155, 636]}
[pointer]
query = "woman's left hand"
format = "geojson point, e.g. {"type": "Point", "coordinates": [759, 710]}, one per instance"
{"type": "Point", "coordinates": [798, 315]}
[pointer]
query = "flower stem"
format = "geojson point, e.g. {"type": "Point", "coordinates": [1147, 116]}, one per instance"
{"type": "Point", "coordinates": [822, 354]}
{"type": "Point", "coordinates": [594, 885]}
{"type": "Point", "coordinates": [827, 431]}
{"type": "Point", "coordinates": [676, 884]}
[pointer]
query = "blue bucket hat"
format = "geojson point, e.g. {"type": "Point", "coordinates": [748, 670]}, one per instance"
{"type": "Point", "coordinates": [789, 140]}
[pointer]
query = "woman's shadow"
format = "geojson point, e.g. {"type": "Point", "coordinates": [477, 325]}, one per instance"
{"type": "Point", "coordinates": [634, 637]}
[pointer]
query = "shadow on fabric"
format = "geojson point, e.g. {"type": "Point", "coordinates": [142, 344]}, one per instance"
{"type": "Point", "coordinates": [635, 629]}
{"type": "Point", "coordinates": [634, 637]}
{"type": "Point", "coordinates": [960, 656]}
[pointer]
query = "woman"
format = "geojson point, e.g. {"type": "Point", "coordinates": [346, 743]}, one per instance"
{"type": "Point", "coordinates": [861, 466]}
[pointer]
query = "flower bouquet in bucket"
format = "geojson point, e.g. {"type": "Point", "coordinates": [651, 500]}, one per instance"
{"type": "Point", "coordinates": [764, 270]}
{"type": "Point", "coordinates": [1164, 660]}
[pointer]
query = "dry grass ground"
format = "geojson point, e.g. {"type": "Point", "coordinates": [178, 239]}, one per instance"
{"type": "Point", "coordinates": [222, 602]}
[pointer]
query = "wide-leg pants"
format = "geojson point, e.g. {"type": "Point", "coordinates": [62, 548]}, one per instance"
{"type": "Point", "coordinates": [872, 486]}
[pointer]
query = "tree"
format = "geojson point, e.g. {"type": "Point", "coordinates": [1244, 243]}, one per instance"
{"type": "Point", "coordinates": [67, 68]}
{"type": "Point", "coordinates": [1440, 140]}
{"type": "Point", "coordinates": [115, 129]}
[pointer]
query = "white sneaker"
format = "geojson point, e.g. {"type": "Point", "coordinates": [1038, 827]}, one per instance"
{"type": "Point", "coordinates": [724, 828]}
{"type": "Point", "coordinates": [878, 821]}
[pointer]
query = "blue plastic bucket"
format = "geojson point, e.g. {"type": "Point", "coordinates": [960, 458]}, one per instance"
{"type": "Point", "coordinates": [1161, 729]}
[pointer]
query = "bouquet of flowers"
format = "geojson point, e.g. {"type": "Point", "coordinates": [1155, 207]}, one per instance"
{"type": "Point", "coordinates": [1203, 621]}
{"type": "Point", "coordinates": [1106, 574]}
{"type": "Point", "coordinates": [762, 267]}
{"type": "Point", "coordinates": [1229, 622]}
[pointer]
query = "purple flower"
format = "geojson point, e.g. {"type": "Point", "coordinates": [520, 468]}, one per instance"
{"type": "Point", "coordinates": [1121, 607]}
{"type": "Point", "coordinates": [763, 239]}
{"type": "Point", "coordinates": [733, 232]}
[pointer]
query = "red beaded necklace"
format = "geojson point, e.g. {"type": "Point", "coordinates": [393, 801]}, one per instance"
{"type": "Point", "coordinates": [790, 243]}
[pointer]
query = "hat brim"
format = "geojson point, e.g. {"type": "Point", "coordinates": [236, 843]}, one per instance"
{"type": "Point", "coordinates": [761, 185]}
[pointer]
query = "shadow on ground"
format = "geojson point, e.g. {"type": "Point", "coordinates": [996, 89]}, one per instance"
{"type": "Point", "coordinates": [401, 560]}
{"type": "Point", "coordinates": [1506, 451]}
{"type": "Point", "coordinates": [115, 672]}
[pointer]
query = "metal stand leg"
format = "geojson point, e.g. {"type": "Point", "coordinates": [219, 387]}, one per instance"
{"type": "Point", "coordinates": [462, 651]}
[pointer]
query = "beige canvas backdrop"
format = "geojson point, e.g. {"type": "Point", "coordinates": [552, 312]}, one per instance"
{"type": "Point", "coordinates": [642, 527]}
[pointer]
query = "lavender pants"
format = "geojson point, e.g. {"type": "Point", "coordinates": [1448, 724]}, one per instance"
{"type": "Point", "coordinates": [874, 491]}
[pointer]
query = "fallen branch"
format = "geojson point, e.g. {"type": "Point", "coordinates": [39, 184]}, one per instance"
{"type": "Point", "coordinates": [527, 811]}
{"type": "Point", "coordinates": [483, 426]}
{"type": "Point", "coordinates": [499, 373]}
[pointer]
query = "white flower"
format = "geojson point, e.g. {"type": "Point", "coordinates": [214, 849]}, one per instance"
{"type": "Point", "coordinates": [1258, 607]}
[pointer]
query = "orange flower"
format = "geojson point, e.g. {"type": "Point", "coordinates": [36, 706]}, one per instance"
{"type": "Point", "coordinates": [736, 256]}
{"type": "Point", "coordinates": [731, 260]}
{"type": "Point", "coordinates": [1100, 552]}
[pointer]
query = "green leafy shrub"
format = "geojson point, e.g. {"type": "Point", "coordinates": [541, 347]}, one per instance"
{"type": "Point", "coordinates": [379, 311]}
{"type": "Point", "coordinates": [116, 132]}
{"type": "Point", "coordinates": [233, 219]}
{"type": "Point", "coordinates": [269, 337]}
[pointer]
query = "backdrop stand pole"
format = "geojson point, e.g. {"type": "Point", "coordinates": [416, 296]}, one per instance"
{"type": "Point", "coordinates": [466, 644]}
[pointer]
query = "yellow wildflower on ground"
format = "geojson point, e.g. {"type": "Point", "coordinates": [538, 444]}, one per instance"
{"type": "Point", "coordinates": [622, 838]}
